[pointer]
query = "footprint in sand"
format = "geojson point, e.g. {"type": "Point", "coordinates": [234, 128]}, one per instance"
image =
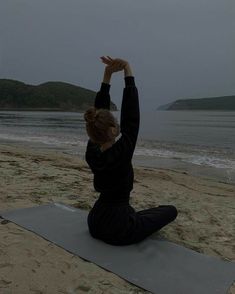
{"type": "Point", "coordinates": [43, 252]}
{"type": "Point", "coordinates": [84, 288]}
{"type": "Point", "coordinates": [163, 176]}
{"type": "Point", "coordinates": [4, 283]}
{"type": "Point", "coordinates": [16, 233]}
{"type": "Point", "coordinates": [67, 264]}
{"type": "Point", "coordinates": [3, 265]}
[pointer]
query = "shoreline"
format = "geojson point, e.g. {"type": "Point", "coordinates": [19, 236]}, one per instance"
{"type": "Point", "coordinates": [222, 175]}
{"type": "Point", "coordinates": [32, 177]}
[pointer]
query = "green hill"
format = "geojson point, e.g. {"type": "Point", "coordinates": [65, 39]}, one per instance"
{"type": "Point", "coordinates": [213, 103]}
{"type": "Point", "coordinates": [59, 96]}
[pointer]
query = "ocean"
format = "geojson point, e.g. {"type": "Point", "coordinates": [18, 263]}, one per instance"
{"type": "Point", "coordinates": [198, 142]}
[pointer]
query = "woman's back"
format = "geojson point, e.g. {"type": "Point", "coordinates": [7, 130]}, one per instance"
{"type": "Point", "coordinates": [112, 168]}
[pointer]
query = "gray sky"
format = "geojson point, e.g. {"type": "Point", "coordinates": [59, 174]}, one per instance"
{"type": "Point", "coordinates": [177, 48]}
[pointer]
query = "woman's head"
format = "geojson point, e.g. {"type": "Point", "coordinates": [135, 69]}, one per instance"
{"type": "Point", "coordinates": [101, 125]}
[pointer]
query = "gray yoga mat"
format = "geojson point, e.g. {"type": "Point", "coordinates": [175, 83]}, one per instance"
{"type": "Point", "coordinates": [156, 265]}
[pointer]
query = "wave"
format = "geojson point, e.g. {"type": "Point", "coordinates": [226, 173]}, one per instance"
{"type": "Point", "coordinates": [202, 157]}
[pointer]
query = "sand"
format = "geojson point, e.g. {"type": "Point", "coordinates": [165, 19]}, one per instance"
{"type": "Point", "coordinates": [29, 177]}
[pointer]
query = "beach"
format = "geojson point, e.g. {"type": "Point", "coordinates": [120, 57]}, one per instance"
{"type": "Point", "coordinates": [29, 177]}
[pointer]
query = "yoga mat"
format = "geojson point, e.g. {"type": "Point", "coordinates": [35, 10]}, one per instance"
{"type": "Point", "coordinates": [156, 265]}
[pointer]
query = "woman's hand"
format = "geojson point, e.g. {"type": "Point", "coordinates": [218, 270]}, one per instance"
{"type": "Point", "coordinates": [114, 65]}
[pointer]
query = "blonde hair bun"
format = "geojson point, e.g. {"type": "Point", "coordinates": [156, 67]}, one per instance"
{"type": "Point", "coordinates": [98, 123]}
{"type": "Point", "coordinates": [90, 115]}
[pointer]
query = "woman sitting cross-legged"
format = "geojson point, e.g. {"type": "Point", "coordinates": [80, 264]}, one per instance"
{"type": "Point", "coordinates": [112, 218]}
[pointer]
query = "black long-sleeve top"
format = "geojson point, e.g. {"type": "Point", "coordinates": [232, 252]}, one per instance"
{"type": "Point", "coordinates": [112, 168]}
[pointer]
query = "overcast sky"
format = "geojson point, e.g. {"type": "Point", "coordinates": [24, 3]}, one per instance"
{"type": "Point", "coordinates": [176, 48]}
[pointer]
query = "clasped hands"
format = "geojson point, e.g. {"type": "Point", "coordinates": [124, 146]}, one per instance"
{"type": "Point", "coordinates": [114, 65]}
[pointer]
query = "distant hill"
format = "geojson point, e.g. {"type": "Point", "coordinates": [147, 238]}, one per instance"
{"type": "Point", "coordinates": [59, 96]}
{"type": "Point", "coordinates": [213, 103]}
{"type": "Point", "coordinates": [165, 106]}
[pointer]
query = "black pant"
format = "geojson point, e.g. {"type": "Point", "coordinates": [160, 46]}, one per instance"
{"type": "Point", "coordinates": [122, 225]}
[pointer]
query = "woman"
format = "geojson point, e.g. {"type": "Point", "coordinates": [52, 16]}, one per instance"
{"type": "Point", "coordinates": [112, 219]}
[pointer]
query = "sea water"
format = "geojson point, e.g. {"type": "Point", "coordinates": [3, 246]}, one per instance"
{"type": "Point", "coordinates": [198, 142]}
